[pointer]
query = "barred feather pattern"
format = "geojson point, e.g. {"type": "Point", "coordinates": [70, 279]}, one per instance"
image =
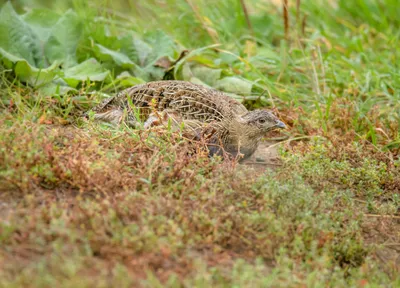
{"type": "Point", "coordinates": [190, 100]}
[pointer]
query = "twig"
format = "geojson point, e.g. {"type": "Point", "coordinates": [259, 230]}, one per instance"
{"type": "Point", "coordinates": [382, 216]}
{"type": "Point", "coordinates": [286, 18]}
{"type": "Point", "coordinates": [391, 244]}
{"type": "Point", "coordinates": [293, 139]}
{"type": "Point", "coordinates": [297, 11]}
{"type": "Point", "coordinates": [303, 25]}
{"type": "Point", "coordinates": [361, 201]}
{"type": "Point", "coordinates": [246, 15]}
{"type": "Point", "coordinates": [322, 69]}
{"type": "Point", "coordinates": [261, 163]}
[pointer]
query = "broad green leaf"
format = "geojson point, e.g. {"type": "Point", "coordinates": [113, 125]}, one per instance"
{"type": "Point", "coordinates": [88, 70]}
{"type": "Point", "coordinates": [123, 80]}
{"type": "Point", "coordinates": [55, 88]}
{"type": "Point", "coordinates": [264, 56]}
{"type": "Point", "coordinates": [127, 79]}
{"type": "Point", "coordinates": [162, 45]}
{"type": "Point", "coordinates": [26, 72]}
{"type": "Point", "coordinates": [186, 72]}
{"type": "Point", "coordinates": [18, 39]}
{"type": "Point", "coordinates": [106, 54]}
{"type": "Point", "coordinates": [235, 85]}
{"type": "Point", "coordinates": [207, 75]}
{"type": "Point", "coordinates": [228, 58]}
{"type": "Point", "coordinates": [198, 81]}
{"type": "Point", "coordinates": [136, 49]}
{"type": "Point", "coordinates": [143, 50]}
{"type": "Point", "coordinates": [149, 73]}
{"type": "Point", "coordinates": [100, 33]}
{"type": "Point", "coordinates": [269, 53]}
{"type": "Point", "coordinates": [189, 56]}
{"type": "Point", "coordinates": [130, 49]}
{"type": "Point", "coordinates": [64, 39]}
{"type": "Point", "coordinates": [41, 22]}
{"type": "Point", "coordinates": [235, 96]}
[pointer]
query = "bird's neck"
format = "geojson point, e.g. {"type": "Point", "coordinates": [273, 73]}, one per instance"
{"type": "Point", "coordinates": [245, 132]}
{"type": "Point", "coordinates": [244, 138]}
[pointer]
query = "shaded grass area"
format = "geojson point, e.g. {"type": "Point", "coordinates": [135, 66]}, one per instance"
{"type": "Point", "coordinates": [84, 204]}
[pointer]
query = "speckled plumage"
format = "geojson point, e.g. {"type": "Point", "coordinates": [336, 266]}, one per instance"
{"type": "Point", "coordinates": [229, 125]}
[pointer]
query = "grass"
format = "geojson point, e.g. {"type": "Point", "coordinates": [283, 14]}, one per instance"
{"type": "Point", "coordinates": [86, 204]}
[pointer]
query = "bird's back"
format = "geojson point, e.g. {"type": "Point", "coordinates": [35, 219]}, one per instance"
{"type": "Point", "coordinates": [188, 100]}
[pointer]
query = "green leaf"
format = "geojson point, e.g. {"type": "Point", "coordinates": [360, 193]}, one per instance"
{"type": "Point", "coordinates": [143, 51]}
{"type": "Point", "coordinates": [264, 56]}
{"type": "Point", "coordinates": [204, 74]}
{"type": "Point", "coordinates": [26, 72]}
{"type": "Point", "coordinates": [41, 22]}
{"type": "Point", "coordinates": [105, 54]}
{"type": "Point", "coordinates": [88, 70]}
{"type": "Point", "coordinates": [198, 81]}
{"type": "Point", "coordinates": [100, 33]}
{"type": "Point", "coordinates": [18, 39]}
{"type": "Point", "coordinates": [162, 46]}
{"type": "Point", "coordinates": [130, 49]}
{"type": "Point", "coordinates": [127, 79]}
{"type": "Point", "coordinates": [189, 56]}
{"type": "Point", "coordinates": [64, 38]}
{"type": "Point", "coordinates": [207, 75]}
{"type": "Point", "coordinates": [186, 72]}
{"type": "Point", "coordinates": [150, 73]}
{"type": "Point", "coordinates": [55, 88]}
{"type": "Point", "coordinates": [235, 85]}
{"type": "Point", "coordinates": [137, 50]}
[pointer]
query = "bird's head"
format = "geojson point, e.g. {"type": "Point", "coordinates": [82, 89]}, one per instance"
{"type": "Point", "coordinates": [259, 122]}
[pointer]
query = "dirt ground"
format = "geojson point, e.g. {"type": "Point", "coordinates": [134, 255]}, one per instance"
{"type": "Point", "coordinates": [265, 157]}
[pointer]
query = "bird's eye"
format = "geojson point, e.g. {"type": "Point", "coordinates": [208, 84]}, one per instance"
{"type": "Point", "coordinates": [261, 121]}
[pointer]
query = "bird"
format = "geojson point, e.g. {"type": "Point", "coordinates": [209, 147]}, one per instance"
{"type": "Point", "coordinates": [226, 124]}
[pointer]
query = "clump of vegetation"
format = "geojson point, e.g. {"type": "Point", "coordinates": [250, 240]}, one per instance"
{"type": "Point", "coordinates": [88, 204]}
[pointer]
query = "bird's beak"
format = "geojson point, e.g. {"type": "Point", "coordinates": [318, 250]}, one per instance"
{"type": "Point", "coordinates": [280, 124]}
